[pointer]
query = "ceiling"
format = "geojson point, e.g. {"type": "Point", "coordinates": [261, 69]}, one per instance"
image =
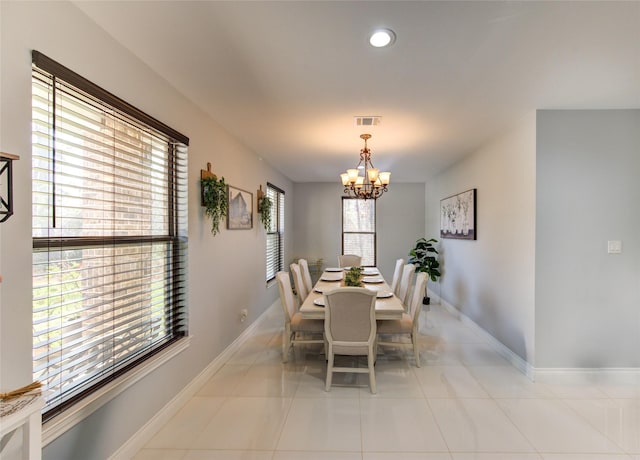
{"type": "Point", "coordinates": [287, 78]}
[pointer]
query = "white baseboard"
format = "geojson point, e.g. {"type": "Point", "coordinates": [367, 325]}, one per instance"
{"type": "Point", "coordinates": [500, 348]}
{"type": "Point", "coordinates": [609, 375]}
{"type": "Point", "coordinates": [548, 375]}
{"type": "Point", "coordinates": [130, 448]}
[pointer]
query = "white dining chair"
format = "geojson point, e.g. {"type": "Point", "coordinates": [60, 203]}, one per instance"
{"type": "Point", "coordinates": [404, 289]}
{"type": "Point", "coordinates": [349, 260]}
{"type": "Point", "coordinates": [350, 329]}
{"type": "Point", "coordinates": [298, 282]}
{"type": "Point", "coordinates": [397, 274]}
{"type": "Point", "coordinates": [306, 275]}
{"type": "Point", "coordinates": [296, 329]}
{"type": "Point", "coordinates": [409, 323]}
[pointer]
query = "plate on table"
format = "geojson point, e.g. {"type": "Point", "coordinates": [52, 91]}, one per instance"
{"type": "Point", "coordinates": [319, 302]}
{"type": "Point", "coordinates": [370, 271]}
{"type": "Point", "coordinates": [384, 294]}
{"type": "Point", "coordinates": [373, 279]}
{"type": "Point", "coordinates": [331, 276]}
{"type": "Point", "coordinates": [333, 269]}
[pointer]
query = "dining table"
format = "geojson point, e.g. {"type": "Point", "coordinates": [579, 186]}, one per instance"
{"type": "Point", "coordinates": [388, 305]}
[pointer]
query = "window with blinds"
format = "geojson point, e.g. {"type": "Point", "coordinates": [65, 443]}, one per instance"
{"type": "Point", "coordinates": [109, 235]}
{"type": "Point", "coordinates": [359, 229]}
{"type": "Point", "coordinates": [275, 233]}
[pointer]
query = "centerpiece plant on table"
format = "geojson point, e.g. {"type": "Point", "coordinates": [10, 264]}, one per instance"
{"type": "Point", "coordinates": [353, 277]}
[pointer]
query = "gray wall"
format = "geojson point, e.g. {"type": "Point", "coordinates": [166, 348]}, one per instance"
{"type": "Point", "coordinates": [318, 222]}
{"type": "Point", "coordinates": [491, 280]}
{"type": "Point", "coordinates": [588, 192]}
{"type": "Point", "coordinates": [226, 272]}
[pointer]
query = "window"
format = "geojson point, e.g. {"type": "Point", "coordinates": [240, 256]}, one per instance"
{"type": "Point", "coordinates": [109, 235]}
{"type": "Point", "coordinates": [359, 229]}
{"type": "Point", "coordinates": [275, 234]}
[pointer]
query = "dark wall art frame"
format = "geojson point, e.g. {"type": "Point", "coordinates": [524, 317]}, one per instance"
{"type": "Point", "coordinates": [240, 214]}
{"type": "Point", "coordinates": [458, 216]}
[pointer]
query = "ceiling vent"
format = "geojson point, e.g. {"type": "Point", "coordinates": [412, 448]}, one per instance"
{"type": "Point", "coordinates": [367, 121]}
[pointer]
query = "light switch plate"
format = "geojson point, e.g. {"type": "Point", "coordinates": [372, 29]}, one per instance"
{"type": "Point", "coordinates": [614, 247]}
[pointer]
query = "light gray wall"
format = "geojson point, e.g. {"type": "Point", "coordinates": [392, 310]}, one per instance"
{"type": "Point", "coordinates": [491, 280]}
{"type": "Point", "coordinates": [226, 272]}
{"type": "Point", "coordinates": [588, 192]}
{"type": "Point", "coordinates": [318, 222]}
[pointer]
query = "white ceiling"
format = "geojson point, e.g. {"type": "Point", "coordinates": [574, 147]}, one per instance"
{"type": "Point", "coordinates": [287, 78]}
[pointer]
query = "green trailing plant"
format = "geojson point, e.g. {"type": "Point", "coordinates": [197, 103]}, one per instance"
{"type": "Point", "coordinates": [215, 200]}
{"type": "Point", "coordinates": [264, 208]}
{"type": "Point", "coordinates": [423, 256]}
{"type": "Point", "coordinates": [353, 277]}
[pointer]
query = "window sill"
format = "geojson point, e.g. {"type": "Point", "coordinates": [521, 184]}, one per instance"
{"type": "Point", "coordinates": [75, 414]}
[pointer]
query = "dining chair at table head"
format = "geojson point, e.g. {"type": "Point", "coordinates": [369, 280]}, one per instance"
{"type": "Point", "coordinates": [397, 274]}
{"type": "Point", "coordinates": [298, 282]}
{"type": "Point", "coordinates": [295, 327]}
{"type": "Point", "coordinates": [349, 260]}
{"type": "Point", "coordinates": [350, 329]}
{"type": "Point", "coordinates": [306, 275]}
{"type": "Point", "coordinates": [409, 323]}
{"type": "Point", "coordinates": [404, 289]}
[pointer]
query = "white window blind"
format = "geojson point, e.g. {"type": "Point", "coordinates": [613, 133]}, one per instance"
{"type": "Point", "coordinates": [109, 235]}
{"type": "Point", "coordinates": [275, 233]}
{"type": "Point", "coordinates": [359, 229]}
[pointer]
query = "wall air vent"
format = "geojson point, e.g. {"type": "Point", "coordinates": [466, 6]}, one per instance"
{"type": "Point", "coordinates": [367, 121]}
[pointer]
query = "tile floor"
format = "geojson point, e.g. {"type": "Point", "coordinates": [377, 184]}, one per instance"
{"type": "Point", "coordinates": [464, 403]}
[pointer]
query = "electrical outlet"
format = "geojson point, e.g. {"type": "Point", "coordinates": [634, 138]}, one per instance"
{"type": "Point", "coordinates": [243, 315]}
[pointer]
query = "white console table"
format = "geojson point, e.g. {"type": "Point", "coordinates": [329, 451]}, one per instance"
{"type": "Point", "coordinates": [24, 412]}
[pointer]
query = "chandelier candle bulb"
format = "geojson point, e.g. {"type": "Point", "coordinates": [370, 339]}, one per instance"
{"type": "Point", "coordinates": [345, 179]}
{"type": "Point", "coordinates": [353, 175]}
{"type": "Point", "coordinates": [373, 175]}
{"type": "Point", "coordinates": [385, 177]}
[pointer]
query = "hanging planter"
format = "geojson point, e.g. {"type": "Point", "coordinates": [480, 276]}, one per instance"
{"type": "Point", "coordinates": [214, 198]}
{"type": "Point", "coordinates": [264, 208]}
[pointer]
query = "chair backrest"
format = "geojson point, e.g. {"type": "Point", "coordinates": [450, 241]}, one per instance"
{"type": "Point", "coordinates": [418, 293]}
{"type": "Point", "coordinates": [306, 276]}
{"type": "Point", "coordinates": [397, 273]}
{"type": "Point", "coordinates": [350, 316]}
{"type": "Point", "coordinates": [298, 282]}
{"type": "Point", "coordinates": [405, 283]}
{"type": "Point", "coordinates": [349, 260]}
{"type": "Point", "coordinates": [287, 299]}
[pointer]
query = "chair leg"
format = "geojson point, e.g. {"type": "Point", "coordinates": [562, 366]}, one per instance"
{"type": "Point", "coordinates": [416, 350]}
{"type": "Point", "coordinates": [327, 385]}
{"type": "Point", "coordinates": [371, 360]}
{"type": "Point", "coordinates": [286, 344]}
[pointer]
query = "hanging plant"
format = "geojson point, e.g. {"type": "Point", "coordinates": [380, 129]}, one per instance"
{"type": "Point", "coordinates": [264, 208]}
{"type": "Point", "coordinates": [215, 200]}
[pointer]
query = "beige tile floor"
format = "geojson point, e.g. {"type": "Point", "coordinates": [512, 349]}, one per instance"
{"type": "Point", "coordinates": [464, 403]}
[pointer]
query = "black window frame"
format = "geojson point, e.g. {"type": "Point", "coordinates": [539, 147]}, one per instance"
{"type": "Point", "coordinates": [275, 232]}
{"type": "Point", "coordinates": [174, 242]}
{"type": "Point", "coordinates": [374, 232]}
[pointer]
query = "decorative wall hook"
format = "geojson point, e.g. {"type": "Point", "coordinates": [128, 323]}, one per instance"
{"type": "Point", "coordinates": [207, 174]}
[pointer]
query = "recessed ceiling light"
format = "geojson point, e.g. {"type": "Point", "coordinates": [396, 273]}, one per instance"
{"type": "Point", "coordinates": [382, 37]}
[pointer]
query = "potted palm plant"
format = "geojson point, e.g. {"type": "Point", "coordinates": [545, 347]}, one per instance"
{"type": "Point", "coordinates": [423, 257]}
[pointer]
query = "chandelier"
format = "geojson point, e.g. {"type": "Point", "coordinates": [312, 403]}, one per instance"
{"type": "Point", "coordinates": [372, 183]}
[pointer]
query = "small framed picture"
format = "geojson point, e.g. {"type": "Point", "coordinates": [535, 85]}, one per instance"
{"type": "Point", "coordinates": [458, 216]}
{"type": "Point", "coordinates": [240, 213]}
